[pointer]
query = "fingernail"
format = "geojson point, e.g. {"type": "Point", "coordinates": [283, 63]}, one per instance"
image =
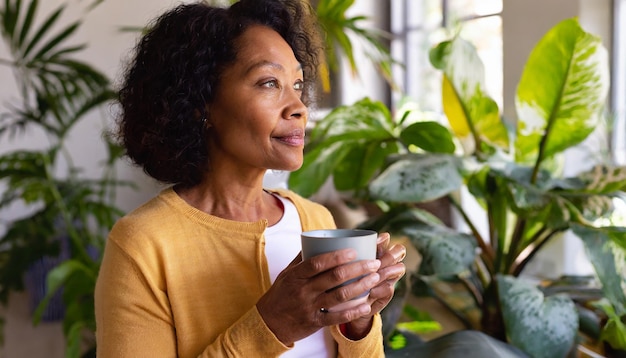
{"type": "Point", "coordinates": [399, 255]}
{"type": "Point", "coordinates": [382, 237]}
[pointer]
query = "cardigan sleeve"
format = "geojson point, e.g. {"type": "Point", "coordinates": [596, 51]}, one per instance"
{"type": "Point", "coordinates": [134, 319]}
{"type": "Point", "coordinates": [370, 346]}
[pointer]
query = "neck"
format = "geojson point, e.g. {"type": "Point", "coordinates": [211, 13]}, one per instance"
{"type": "Point", "coordinates": [233, 199]}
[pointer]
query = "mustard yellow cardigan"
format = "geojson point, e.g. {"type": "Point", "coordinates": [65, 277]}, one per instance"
{"type": "Point", "coordinates": [177, 282]}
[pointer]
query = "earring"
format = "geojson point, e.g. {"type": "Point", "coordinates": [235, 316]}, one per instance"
{"type": "Point", "coordinates": [206, 123]}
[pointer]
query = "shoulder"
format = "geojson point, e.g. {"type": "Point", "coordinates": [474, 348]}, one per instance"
{"type": "Point", "coordinates": [313, 215]}
{"type": "Point", "coordinates": [147, 222]}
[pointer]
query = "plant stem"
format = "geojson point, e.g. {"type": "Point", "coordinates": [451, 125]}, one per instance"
{"type": "Point", "coordinates": [7, 62]}
{"type": "Point", "coordinates": [69, 225]}
{"type": "Point", "coordinates": [483, 273]}
{"type": "Point", "coordinates": [542, 146]}
{"type": "Point", "coordinates": [532, 250]}
{"type": "Point", "coordinates": [487, 252]}
{"type": "Point", "coordinates": [519, 254]}
{"type": "Point", "coordinates": [495, 239]}
{"type": "Point", "coordinates": [471, 287]}
{"type": "Point", "coordinates": [516, 239]}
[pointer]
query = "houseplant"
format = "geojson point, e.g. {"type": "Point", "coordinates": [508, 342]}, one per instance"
{"type": "Point", "coordinates": [400, 161]}
{"type": "Point", "coordinates": [56, 91]}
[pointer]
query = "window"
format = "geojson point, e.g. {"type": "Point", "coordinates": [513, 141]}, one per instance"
{"type": "Point", "coordinates": [618, 81]}
{"type": "Point", "coordinates": [417, 26]}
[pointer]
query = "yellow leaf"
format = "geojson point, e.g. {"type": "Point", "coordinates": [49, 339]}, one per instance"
{"type": "Point", "coordinates": [454, 110]}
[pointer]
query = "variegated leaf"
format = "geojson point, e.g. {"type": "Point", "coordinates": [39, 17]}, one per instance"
{"type": "Point", "coordinates": [542, 327]}
{"type": "Point", "coordinates": [470, 110]}
{"type": "Point", "coordinates": [444, 251]}
{"type": "Point", "coordinates": [561, 92]}
{"type": "Point", "coordinates": [417, 178]}
{"type": "Point", "coordinates": [603, 179]}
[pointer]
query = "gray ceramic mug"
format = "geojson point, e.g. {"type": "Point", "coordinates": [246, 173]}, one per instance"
{"type": "Point", "coordinates": [318, 242]}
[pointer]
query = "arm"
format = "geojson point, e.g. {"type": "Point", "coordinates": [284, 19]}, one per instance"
{"type": "Point", "coordinates": [134, 318]}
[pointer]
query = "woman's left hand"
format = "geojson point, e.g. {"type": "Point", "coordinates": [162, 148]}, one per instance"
{"type": "Point", "coordinates": [390, 271]}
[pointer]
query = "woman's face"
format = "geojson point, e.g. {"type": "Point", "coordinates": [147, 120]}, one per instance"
{"type": "Point", "coordinates": [258, 117]}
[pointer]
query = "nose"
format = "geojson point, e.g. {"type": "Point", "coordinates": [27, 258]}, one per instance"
{"type": "Point", "coordinates": [295, 108]}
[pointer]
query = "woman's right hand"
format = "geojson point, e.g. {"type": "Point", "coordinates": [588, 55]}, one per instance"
{"type": "Point", "coordinates": [291, 308]}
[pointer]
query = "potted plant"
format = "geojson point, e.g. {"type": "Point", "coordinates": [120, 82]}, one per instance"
{"type": "Point", "coordinates": [402, 160]}
{"type": "Point", "coordinates": [66, 208]}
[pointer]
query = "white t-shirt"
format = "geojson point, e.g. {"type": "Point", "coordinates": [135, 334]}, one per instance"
{"type": "Point", "coordinates": [282, 245]}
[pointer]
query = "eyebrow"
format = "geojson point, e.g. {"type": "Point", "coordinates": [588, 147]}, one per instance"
{"type": "Point", "coordinates": [271, 64]}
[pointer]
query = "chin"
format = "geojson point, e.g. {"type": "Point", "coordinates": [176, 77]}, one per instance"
{"type": "Point", "coordinates": [290, 167]}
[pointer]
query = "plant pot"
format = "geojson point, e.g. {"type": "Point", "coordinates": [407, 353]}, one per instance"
{"type": "Point", "coordinates": [35, 282]}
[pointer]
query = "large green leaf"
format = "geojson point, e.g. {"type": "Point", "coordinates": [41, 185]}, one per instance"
{"type": "Point", "coordinates": [457, 344]}
{"type": "Point", "coordinates": [444, 251]}
{"type": "Point", "coordinates": [470, 111]}
{"type": "Point", "coordinates": [561, 92]}
{"type": "Point", "coordinates": [365, 119]}
{"type": "Point", "coordinates": [542, 327]}
{"type": "Point", "coordinates": [417, 178]}
{"type": "Point", "coordinates": [606, 249]}
{"type": "Point", "coordinates": [428, 135]}
{"type": "Point", "coordinates": [350, 143]}
{"type": "Point", "coordinates": [359, 166]}
{"type": "Point", "coordinates": [318, 165]}
{"type": "Point", "coordinates": [399, 217]}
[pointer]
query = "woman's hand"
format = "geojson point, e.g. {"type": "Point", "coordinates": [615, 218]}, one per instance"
{"type": "Point", "coordinates": [291, 308]}
{"type": "Point", "coordinates": [390, 271]}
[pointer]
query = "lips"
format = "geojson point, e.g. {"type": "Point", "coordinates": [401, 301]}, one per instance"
{"type": "Point", "coordinates": [293, 138]}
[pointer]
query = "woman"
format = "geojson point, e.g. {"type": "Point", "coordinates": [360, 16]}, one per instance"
{"type": "Point", "coordinates": [211, 267]}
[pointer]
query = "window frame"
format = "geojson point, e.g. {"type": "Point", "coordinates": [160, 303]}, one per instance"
{"type": "Point", "coordinates": [401, 30]}
{"type": "Point", "coordinates": [618, 83]}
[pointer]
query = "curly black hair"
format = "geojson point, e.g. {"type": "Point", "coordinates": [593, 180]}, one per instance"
{"type": "Point", "coordinates": [175, 72]}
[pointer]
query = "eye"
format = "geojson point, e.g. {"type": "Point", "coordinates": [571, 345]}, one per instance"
{"type": "Point", "coordinates": [298, 86]}
{"type": "Point", "coordinates": [270, 84]}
